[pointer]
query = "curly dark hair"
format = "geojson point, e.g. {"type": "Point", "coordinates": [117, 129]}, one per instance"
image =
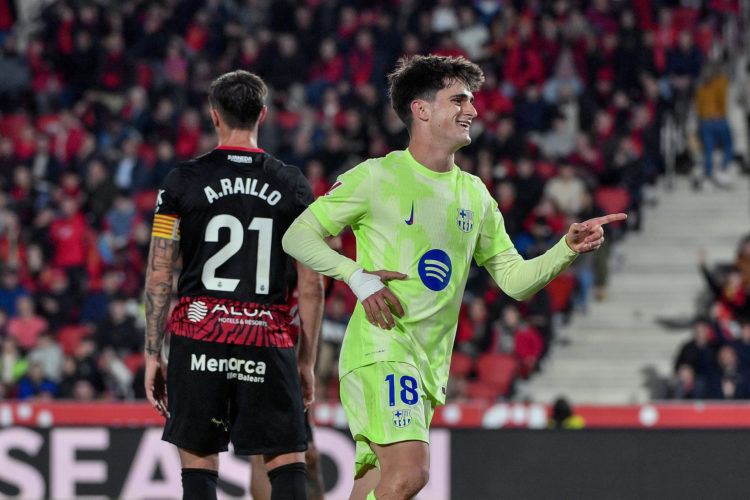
{"type": "Point", "coordinates": [239, 97]}
{"type": "Point", "coordinates": [421, 77]}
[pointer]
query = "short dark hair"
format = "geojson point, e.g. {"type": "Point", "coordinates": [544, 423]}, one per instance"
{"type": "Point", "coordinates": [422, 77]}
{"type": "Point", "coordinates": [239, 97]}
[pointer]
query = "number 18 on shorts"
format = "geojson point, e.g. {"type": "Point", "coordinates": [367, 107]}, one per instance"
{"type": "Point", "coordinates": [385, 403]}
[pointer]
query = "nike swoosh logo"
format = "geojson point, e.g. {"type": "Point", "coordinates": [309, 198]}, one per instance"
{"type": "Point", "coordinates": [410, 220]}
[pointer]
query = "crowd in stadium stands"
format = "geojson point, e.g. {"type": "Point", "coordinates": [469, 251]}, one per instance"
{"type": "Point", "coordinates": [715, 363]}
{"type": "Point", "coordinates": [98, 103]}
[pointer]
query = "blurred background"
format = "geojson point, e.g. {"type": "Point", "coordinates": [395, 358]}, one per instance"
{"type": "Point", "coordinates": [589, 107]}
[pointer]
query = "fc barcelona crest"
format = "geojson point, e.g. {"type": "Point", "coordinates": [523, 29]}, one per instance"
{"type": "Point", "coordinates": [465, 220]}
{"type": "Point", "coordinates": [401, 418]}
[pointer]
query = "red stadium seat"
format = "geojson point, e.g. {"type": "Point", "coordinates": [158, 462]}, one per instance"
{"type": "Point", "coordinates": [11, 125]}
{"type": "Point", "coordinates": [461, 364]}
{"type": "Point", "coordinates": [145, 201]}
{"type": "Point", "coordinates": [70, 336]}
{"type": "Point", "coordinates": [612, 200]}
{"type": "Point", "coordinates": [479, 389]}
{"type": "Point", "coordinates": [560, 291]}
{"type": "Point", "coordinates": [499, 370]}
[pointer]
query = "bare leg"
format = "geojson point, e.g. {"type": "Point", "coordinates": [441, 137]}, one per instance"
{"type": "Point", "coordinates": [365, 483]}
{"type": "Point", "coordinates": [260, 485]}
{"type": "Point", "coordinates": [315, 487]}
{"type": "Point", "coordinates": [273, 461]}
{"type": "Point", "coordinates": [192, 460]}
{"type": "Point", "coordinates": [404, 470]}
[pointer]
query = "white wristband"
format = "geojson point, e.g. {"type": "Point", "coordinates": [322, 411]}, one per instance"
{"type": "Point", "coordinates": [364, 284]}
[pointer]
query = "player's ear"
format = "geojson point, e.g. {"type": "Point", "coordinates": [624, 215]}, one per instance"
{"type": "Point", "coordinates": [420, 109]}
{"type": "Point", "coordinates": [262, 115]}
{"type": "Point", "coordinates": [215, 118]}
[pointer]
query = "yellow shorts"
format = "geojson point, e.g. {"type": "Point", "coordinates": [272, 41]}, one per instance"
{"type": "Point", "coordinates": [385, 403]}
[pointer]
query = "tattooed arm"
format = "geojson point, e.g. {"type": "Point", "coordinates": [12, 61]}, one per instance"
{"type": "Point", "coordinates": [162, 260]}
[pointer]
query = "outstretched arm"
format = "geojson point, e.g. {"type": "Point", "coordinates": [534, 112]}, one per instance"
{"type": "Point", "coordinates": [162, 259]}
{"type": "Point", "coordinates": [521, 278]}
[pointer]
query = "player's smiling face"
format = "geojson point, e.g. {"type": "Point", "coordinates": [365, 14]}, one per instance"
{"type": "Point", "coordinates": [452, 113]}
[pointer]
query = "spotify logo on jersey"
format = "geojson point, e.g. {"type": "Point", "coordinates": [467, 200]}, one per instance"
{"type": "Point", "coordinates": [435, 269]}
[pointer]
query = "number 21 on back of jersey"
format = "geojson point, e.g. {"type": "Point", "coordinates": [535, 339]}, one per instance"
{"type": "Point", "coordinates": [264, 226]}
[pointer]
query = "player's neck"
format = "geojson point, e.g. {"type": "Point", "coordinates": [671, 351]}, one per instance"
{"type": "Point", "coordinates": [236, 138]}
{"type": "Point", "coordinates": [434, 158]}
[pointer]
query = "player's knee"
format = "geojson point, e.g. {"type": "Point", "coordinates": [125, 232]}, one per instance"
{"type": "Point", "coordinates": [410, 480]}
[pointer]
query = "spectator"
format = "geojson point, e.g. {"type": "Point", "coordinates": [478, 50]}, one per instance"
{"type": "Point", "coordinates": [118, 379]}
{"type": "Point", "coordinates": [131, 173]}
{"type": "Point", "coordinates": [87, 366]}
{"type": "Point", "coordinates": [682, 384]}
{"type": "Point", "coordinates": [513, 215]}
{"type": "Point", "coordinates": [68, 378]}
{"type": "Point", "coordinates": [473, 328]}
{"type": "Point", "coordinates": [26, 326]}
{"type": "Point", "coordinates": [529, 185]}
{"type": "Point", "coordinates": [165, 162]}
{"type": "Point", "coordinates": [700, 355]}
{"type": "Point", "coordinates": [711, 106]}
{"type": "Point", "coordinates": [118, 330]}
{"type": "Point", "coordinates": [16, 73]}
{"type": "Point", "coordinates": [743, 260]}
{"type": "Point", "coordinates": [531, 111]}
{"type": "Point", "coordinates": [34, 385]}
{"type": "Point", "coordinates": [13, 365]}
{"type": "Point", "coordinates": [566, 190]}
{"type": "Point", "coordinates": [100, 190]}
{"type": "Point", "coordinates": [563, 417]}
{"type": "Point", "coordinates": [48, 355]}
{"type": "Point", "coordinates": [728, 381]}
{"type": "Point", "coordinates": [10, 290]}
{"type": "Point", "coordinates": [728, 290]}
{"type": "Point", "coordinates": [325, 71]}
{"type": "Point", "coordinates": [286, 64]}
{"type": "Point", "coordinates": [58, 302]}
{"type": "Point", "coordinates": [742, 347]}
{"type": "Point", "coordinates": [69, 235]}
{"type": "Point", "coordinates": [118, 225]}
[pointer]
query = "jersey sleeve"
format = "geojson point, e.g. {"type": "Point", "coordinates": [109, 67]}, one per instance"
{"type": "Point", "coordinates": [493, 239]}
{"type": "Point", "coordinates": [167, 212]}
{"type": "Point", "coordinates": [303, 194]}
{"type": "Point", "coordinates": [347, 201]}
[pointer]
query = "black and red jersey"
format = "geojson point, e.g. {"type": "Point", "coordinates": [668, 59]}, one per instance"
{"type": "Point", "coordinates": [233, 205]}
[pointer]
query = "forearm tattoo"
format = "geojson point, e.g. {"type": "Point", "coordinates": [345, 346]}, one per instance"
{"type": "Point", "coordinates": [161, 264]}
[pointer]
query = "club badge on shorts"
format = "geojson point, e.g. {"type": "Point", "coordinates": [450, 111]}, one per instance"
{"type": "Point", "coordinates": [465, 220]}
{"type": "Point", "coordinates": [401, 418]}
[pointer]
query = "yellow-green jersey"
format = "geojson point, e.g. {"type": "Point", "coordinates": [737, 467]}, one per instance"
{"type": "Point", "coordinates": [427, 225]}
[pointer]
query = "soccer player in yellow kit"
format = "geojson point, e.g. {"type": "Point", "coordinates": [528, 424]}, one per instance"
{"type": "Point", "coordinates": [419, 221]}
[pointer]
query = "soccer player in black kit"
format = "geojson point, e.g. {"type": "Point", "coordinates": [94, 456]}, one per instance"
{"type": "Point", "coordinates": [232, 373]}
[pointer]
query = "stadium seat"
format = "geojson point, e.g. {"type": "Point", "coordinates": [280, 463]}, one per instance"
{"type": "Point", "coordinates": [612, 199]}
{"type": "Point", "coordinates": [560, 291]}
{"type": "Point", "coordinates": [145, 201]}
{"type": "Point", "coordinates": [499, 370]}
{"type": "Point", "coordinates": [479, 389]}
{"type": "Point", "coordinates": [461, 364]}
{"type": "Point", "coordinates": [70, 336]}
{"type": "Point", "coordinates": [11, 124]}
